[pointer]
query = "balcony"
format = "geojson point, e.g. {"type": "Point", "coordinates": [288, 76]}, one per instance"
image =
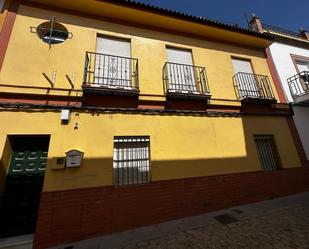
{"type": "Point", "coordinates": [299, 87]}
{"type": "Point", "coordinates": [110, 75]}
{"type": "Point", "coordinates": [253, 88]}
{"type": "Point", "coordinates": [185, 82]}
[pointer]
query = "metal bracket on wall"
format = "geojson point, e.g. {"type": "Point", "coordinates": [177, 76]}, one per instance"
{"type": "Point", "coordinates": [71, 79]}
{"type": "Point", "coordinates": [51, 80]}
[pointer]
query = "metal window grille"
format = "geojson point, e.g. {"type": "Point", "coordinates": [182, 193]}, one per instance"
{"type": "Point", "coordinates": [131, 160]}
{"type": "Point", "coordinates": [267, 151]}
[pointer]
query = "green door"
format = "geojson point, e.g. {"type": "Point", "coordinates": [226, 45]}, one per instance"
{"type": "Point", "coordinates": [23, 186]}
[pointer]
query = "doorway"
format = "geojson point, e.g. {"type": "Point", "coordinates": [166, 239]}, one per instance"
{"type": "Point", "coordinates": [23, 185]}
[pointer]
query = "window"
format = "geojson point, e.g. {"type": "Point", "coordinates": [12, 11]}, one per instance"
{"type": "Point", "coordinates": [302, 65]}
{"type": "Point", "coordinates": [246, 80]}
{"type": "Point", "coordinates": [300, 84]}
{"type": "Point", "coordinates": [52, 32]}
{"type": "Point", "coordinates": [181, 70]}
{"type": "Point", "coordinates": [113, 64]}
{"type": "Point", "coordinates": [131, 160]}
{"type": "Point", "coordinates": [267, 151]}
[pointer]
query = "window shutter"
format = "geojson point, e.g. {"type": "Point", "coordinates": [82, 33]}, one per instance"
{"type": "Point", "coordinates": [242, 66]}
{"type": "Point", "coordinates": [179, 56]}
{"type": "Point", "coordinates": [113, 46]}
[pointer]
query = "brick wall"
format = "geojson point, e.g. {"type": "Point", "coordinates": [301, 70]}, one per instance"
{"type": "Point", "coordinates": [73, 215]}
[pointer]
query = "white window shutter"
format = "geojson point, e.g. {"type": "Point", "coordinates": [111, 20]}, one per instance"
{"type": "Point", "coordinates": [179, 56]}
{"type": "Point", "coordinates": [112, 46]}
{"type": "Point", "coordinates": [242, 66]}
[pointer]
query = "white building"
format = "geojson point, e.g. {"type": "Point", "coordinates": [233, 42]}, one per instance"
{"type": "Point", "coordinates": [289, 62]}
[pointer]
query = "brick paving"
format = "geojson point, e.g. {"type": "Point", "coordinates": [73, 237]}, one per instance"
{"type": "Point", "coordinates": [282, 227]}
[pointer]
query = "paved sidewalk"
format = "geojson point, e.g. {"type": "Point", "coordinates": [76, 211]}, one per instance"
{"type": "Point", "coordinates": [282, 224]}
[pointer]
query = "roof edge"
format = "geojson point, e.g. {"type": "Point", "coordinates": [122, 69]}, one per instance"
{"type": "Point", "coordinates": [191, 18]}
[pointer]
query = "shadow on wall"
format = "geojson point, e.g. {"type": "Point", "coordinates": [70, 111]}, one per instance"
{"type": "Point", "coordinates": [227, 159]}
{"type": "Point", "coordinates": [86, 208]}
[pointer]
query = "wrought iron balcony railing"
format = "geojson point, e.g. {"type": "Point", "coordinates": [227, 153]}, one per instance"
{"type": "Point", "coordinates": [253, 86]}
{"type": "Point", "coordinates": [299, 84]}
{"type": "Point", "coordinates": [185, 80]}
{"type": "Point", "coordinates": [110, 73]}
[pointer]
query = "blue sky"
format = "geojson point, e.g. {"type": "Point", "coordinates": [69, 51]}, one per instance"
{"type": "Point", "coordinates": [289, 14]}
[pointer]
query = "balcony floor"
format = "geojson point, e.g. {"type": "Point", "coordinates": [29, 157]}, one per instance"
{"type": "Point", "coordinates": [102, 90]}
{"type": "Point", "coordinates": [302, 99]}
{"type": "Point", "coordinates": [187, 95]}
{"type": "Point", "coordinates": [255, 100]}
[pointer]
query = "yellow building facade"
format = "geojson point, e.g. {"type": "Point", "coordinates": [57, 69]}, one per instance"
{"type": "Point", "coordinates": [220, 141]}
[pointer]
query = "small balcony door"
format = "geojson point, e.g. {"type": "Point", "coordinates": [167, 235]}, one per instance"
{"type": "Point", "coordinates": [113, 63]}
{"type": "Point", "coordinates": [180, 70]}
{"type": "Point", "coordinates": [247, 84]}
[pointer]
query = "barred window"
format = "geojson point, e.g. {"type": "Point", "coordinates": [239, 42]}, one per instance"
{"type": "Point", "coordinates": [267, 151]}
{"type": "Point", "coordinates": [131, 160]}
